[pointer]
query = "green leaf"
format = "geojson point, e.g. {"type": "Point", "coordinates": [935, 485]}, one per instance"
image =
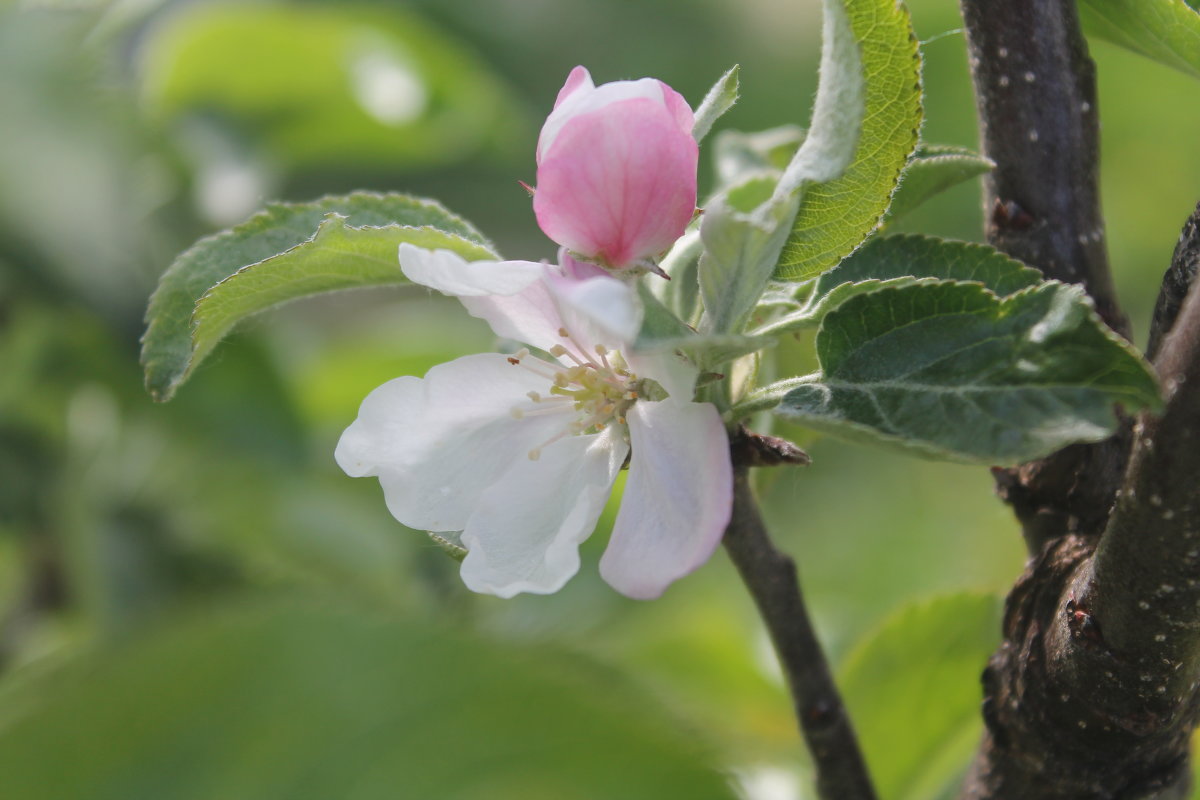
{"type": "Point", "coordinates": [662, 330]}
{"type": "Point", "coordinates": [900, 260]}
{"type": "Point", "coordinates": [948, 370]}
{"type": "Point", "coordinates": [742, 230]}
{"type": "Point", "coordinates": [274, 257]}
{"type": "Point", "coordinates": [316, 84]}
{"type": "Point", "coordinates": [934, 169]}
{"type": "Point", "coordinates": [1167, 31]}
{"type": "Point", "coordinates": [311, 703]}
{"type": "Point", "coordinates": [869, 99]}
{"type": "Point", "coordinates": [720, 98]}
{"type": "Point", "coordinates": [912, 689]}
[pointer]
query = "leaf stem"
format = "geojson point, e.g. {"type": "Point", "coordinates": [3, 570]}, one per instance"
{"type": "Point", "coordinates": [771, 578]}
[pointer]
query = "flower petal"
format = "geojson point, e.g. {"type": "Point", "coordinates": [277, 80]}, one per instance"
{"type": "Point", "coordinates": [599, 310]}
{"type": "Point", "coordinates": [579, 79]}
{"type": "Point", "coordinates": [678, 497]}
{"type": "Point", "coordinates": [584, 98]}
{"type": "Point", "coordinates": [525, 533]}
{"type": "Point", "coordinates": [530, 316]}
{"type": "Point", "coordinates": [452, 274]}
{"type": "Point", "coordinates": [437, 443]}
{"type": "Point", "coordinates": [619, 184]}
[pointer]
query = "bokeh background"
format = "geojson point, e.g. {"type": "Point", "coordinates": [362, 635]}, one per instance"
{"type": "Point", "coordinates": [177, 575]}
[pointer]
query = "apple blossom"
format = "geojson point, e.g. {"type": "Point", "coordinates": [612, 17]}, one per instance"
{"type": "Point", "coordinates": [616, 175]}
{"type": "Point", "coordinates": [520, 453]}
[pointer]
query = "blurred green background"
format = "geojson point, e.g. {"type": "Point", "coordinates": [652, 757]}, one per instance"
{"type": "Point", "coordinates": [184, 586]}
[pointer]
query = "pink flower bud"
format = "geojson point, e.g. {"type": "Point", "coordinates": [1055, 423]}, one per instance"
{"type": "Point", "coordinates": [616, 178]}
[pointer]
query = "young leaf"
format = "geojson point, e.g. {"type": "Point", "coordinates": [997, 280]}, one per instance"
{"type": "Point", "coordinates": [870, 61]}
{"type": "Point", "coordinates": [1167, 31]}
{"type": "Point", "coordinates": [178, 335]}
{"type": "Point", "coordinates": [305, 702]}
{"type": "Point", "coordinates": [912, 689]}
{"type": "Point", "coordinates": [899, 260]}
{"type": "Point", "coordinates": [742, 231]}
{"type": "Point", "coordinates": [934, 169]}
{"type": "Point", "coordinates": [951, 371]}
{"type": "Point", "coordinates": [662, 330]}
{"type": "Point", "coordinates": [720, 98]}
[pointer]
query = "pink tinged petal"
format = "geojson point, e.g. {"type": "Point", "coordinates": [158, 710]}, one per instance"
{"type": "Point", "coordinates": [526, 530]}
{"type": "Point", "coordinates": [586, 98]}
{"type": "Point", "coordinates": [677, 499]}
{"type": "Point", "coordinates": [579, 78]}
{"type": "Point", "coordinates": [437, 443]}
{"type": "Point", "coordinates": [619, 184]}
{"type": "Point", "coordinates": [679, 108]}
{"type": "Point", "coordinates": [577, 270]}
{"type": "Point", "coordinates": [451, 274]}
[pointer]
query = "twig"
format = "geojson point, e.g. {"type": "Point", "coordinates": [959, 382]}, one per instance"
{"type": "Point", "coordinates": [771, 578]}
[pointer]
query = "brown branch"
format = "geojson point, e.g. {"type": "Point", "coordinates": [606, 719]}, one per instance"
{"type": "Point", "coordinates": [771, 578]}
{"type": "Point", "coordinates": [1185, 263]}
{"type": "Point", "coordinates": [1092, 693]}
{"type": "Point", "coordinates": [1036, 95]}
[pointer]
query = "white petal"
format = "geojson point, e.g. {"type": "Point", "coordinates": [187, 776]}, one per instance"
{"type": "Point", "coordinates": [677, 501]}
{"type": "Point", "coordinates": [451, 274]}
{"type": "Point", "coordinates": [525, 533]}
{"type": "Point", "coordinates": [438, 443]}
{"type": "Point", "coordinates": [530, 316]}
{"type": "Point", "coordinates": [600, 310]}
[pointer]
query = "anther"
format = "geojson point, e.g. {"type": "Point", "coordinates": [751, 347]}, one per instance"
{"type": "Point", "coordinates": [534, 396]}
{"type": "Point", "coordinates": [563, 333]}
{"type": "Point", "coordinates": [535, 454]}
{"type": "Point", "coordinates": [516, 413]}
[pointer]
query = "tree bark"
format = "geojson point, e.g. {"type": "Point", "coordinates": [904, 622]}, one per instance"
{"type": "Point", "coordinates": [1092, 693]}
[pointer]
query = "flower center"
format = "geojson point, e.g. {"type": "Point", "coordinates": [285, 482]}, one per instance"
{"type": "Point", "coordinates": [596, 390]}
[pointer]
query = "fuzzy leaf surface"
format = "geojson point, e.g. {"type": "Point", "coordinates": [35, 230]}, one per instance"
{"type": "Point", "coordinates": [903, 259]}
{"type": "Point", "coordinates": [934, 169]}
{"type": "Point", "coordinates": [871, 42]}
{"type": "Point", "coordinates": [950, 371]}
{"type": "Point", "coordinates": [184, 323]}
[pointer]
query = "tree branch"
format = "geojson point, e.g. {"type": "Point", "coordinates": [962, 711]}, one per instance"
{"type": "Point", "coordinates": [771, 578]}
{"type": "Point", "coordinates": [1035, 89]}
{"type": "Point", "coordinates": [1092, 693]}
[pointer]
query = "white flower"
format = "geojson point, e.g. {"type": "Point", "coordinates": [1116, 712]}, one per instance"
{"type": "Point", "coordinates": [520, 453]}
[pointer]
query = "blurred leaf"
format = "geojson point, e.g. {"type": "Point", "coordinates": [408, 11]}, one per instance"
{"type": "Point", "coordinates": [912, 688]}
{"type": "Point", "coordinates": [899, 260]}
{"type": "Point", "coordinates": [948, 370]}
{"type": "Point", "coordinates": [879, 61]}
{"type": "Point", "coordinates": [185, 319]}
{"type": "Point", "coordinates": [300, 703]}
{"type": "Point", "coordinates": [1167, 31]}
{"type": "Point", "coordinates": [933, 169]}
{"type": "Point", "coordinates": [738, 155]}
{"type": "Point", "coordinates": [720, 98]}
{"type": "Point", "coordinates": [320, 83]}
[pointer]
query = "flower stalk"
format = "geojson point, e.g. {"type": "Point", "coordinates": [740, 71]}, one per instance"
{"type": "Point", "coordinates": [770, 576]}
